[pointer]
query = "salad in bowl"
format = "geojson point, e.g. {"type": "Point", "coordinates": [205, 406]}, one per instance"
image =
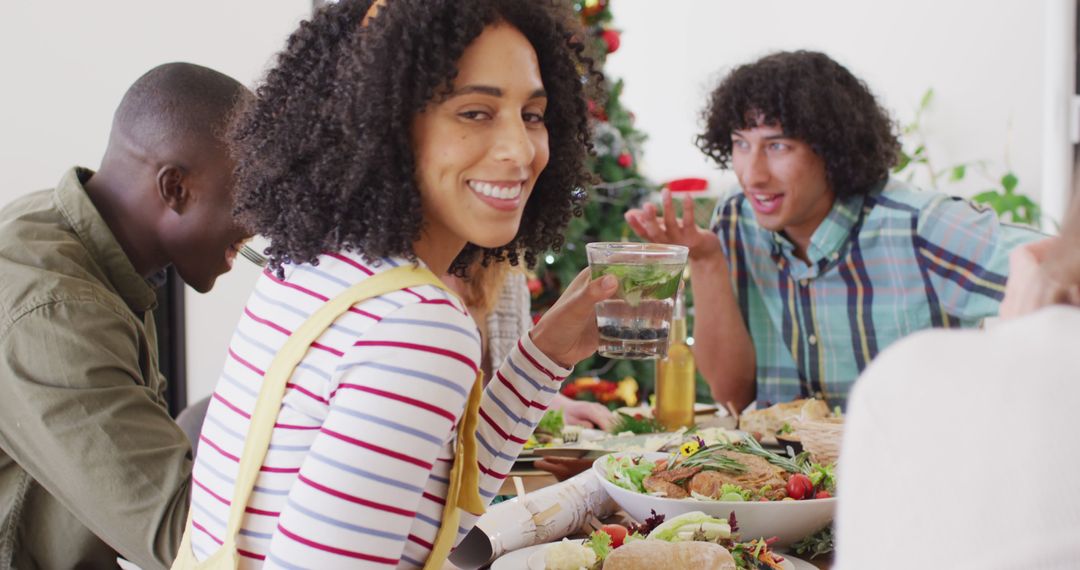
{"type": "Point", "coordinates": [772, 495]}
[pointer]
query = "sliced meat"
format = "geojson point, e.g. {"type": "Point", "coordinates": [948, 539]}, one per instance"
{"type": "Point", "coordinates": [759, 473]}
{"type": "Point", "coordinates": [708, 483]}
{"type": "Point", "coordinates": [677, 474]}
{"type": "Point", "coordinates": [654, 484]}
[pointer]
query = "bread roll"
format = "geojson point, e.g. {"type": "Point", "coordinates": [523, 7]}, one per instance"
{"type": "Point", "coordinates": [769, 421]}
{"type": "Point", "coordinates": [654, 554]}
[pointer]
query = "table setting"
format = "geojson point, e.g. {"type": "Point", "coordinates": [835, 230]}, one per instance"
{"type": "Point", "coordinates": [674, 482]}
{"type": "Point", "coordinates": [546, 510]}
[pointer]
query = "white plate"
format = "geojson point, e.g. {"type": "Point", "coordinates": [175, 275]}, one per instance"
{"type": "Point", "coordinates": [646, 442]}
{"type": "Point", "coordinates": [797, 563]}
{"type": "Point", "coordinates": [646, 410]}
{"type": "Point", "coordinates": [520, 559]}
{"type": "Point", "coordinates": [532, 558]}
{"type": "Point", "coordinates": [611, 444]}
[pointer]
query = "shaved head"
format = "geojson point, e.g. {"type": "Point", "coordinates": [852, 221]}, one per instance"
{"type": "Point", "coordinates": [165, 186]}
{"type": "Point", "coordinates": [175, 105]}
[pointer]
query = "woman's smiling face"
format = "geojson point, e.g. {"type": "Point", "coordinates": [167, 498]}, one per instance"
{"type": "Point", "coordinates": [480, 150]}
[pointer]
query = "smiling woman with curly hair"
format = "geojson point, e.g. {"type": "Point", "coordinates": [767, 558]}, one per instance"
{"type": "Point", "coordinates": [325, 157]}
{"type": "Point", "coordinates": [402, 139]}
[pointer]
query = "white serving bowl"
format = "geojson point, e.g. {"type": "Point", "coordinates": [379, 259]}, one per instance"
{"type": "Point", "coordinates": [788, 521]}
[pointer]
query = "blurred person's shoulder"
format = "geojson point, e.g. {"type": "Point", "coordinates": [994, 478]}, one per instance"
{"type": "Point", "coordinates": [965, 413]}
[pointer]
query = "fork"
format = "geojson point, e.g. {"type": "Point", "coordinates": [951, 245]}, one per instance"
{"type": "Point", "coordinates": [253, 256]}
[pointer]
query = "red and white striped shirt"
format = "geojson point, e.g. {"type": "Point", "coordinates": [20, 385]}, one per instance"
{"type": "Point", "coordinates": [357, 469]}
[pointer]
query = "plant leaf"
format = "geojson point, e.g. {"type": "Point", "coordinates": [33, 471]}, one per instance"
{"type": "Point", "coordinates": [958, 172]}
{"type": "Point", "coordinates": [1011, 202]}
{"type": "Point", "coordinates": [991, 198]}
{"type": "Point", "coordinates": [926, 99]}
{"type": "Point", "coordinates": [1009, 182]}
{"type": "Point", "coordinates": [902, 162]}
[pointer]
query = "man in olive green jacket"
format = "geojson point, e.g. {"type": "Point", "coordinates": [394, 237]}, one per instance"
{"type": "Point", "coordinates": [91, 464]}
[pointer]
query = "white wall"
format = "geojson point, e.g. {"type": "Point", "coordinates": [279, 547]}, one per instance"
{"type": "Point", "coordinates": [66, 64]}
{"type": "Point", "coordinates": [982, 59]}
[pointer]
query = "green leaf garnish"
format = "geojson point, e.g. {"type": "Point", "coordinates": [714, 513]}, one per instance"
{"type": "Point", "coordinates": [626, 422]}
{"type": "Point", "coordinates": [637, 282]}
{"type": "Point", "coordinates": [600, 543]}
{"type": "Point", "coordinates": [552, 422]}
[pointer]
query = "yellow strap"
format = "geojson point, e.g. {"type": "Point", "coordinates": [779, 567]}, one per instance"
{"type": "Point", "coordinates": [464, 473]}
{"type": "Point", "coordinates": [469, 499]}
{"type": "Point", "coordinates": [464, 489]}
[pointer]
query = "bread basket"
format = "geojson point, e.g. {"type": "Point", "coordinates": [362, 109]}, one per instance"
{"type": "Point", "coordinates": [821, 438]}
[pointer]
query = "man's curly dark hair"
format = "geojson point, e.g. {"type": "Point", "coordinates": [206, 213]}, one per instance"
{"type": "Point", "coordinates": [324, 154]}
{"type": "Point", "coordinates": [813, 99]}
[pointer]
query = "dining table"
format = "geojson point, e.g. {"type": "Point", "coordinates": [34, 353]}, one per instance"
{"type": "Point", "coordinates": [530, 479]}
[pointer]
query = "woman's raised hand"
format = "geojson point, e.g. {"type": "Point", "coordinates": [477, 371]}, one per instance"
{"type": "Point", "coordinates": [567, 332]}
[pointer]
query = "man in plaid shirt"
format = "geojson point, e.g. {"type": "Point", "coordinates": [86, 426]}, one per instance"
{"type": "Point", "coordinates": [822, 260]}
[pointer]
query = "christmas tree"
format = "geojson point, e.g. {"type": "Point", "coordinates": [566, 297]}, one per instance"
{"type": "Point", "coordinates": [617, 146]}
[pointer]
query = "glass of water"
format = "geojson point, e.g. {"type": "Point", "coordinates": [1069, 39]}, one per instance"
{"type": "Point", "coordinates": [635, 324]}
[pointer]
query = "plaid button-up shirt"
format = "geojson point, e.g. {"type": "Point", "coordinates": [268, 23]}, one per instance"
{"type": "Point", "coordinates": [882, 265]}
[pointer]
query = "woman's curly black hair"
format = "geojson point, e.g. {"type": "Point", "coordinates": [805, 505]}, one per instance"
{"type": "Point", "coordinates": [324, 154]}
{"type": "Point", "coordinates": [813, 99]}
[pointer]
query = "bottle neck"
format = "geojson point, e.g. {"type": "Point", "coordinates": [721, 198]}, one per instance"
{"type": "Point", "coordinates": [678, 329]}
{"type": "Point", "coordinates": [678, 317]}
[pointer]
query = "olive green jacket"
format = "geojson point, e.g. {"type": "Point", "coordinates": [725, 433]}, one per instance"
{"type": "Point", "coordinates": [91, 464]}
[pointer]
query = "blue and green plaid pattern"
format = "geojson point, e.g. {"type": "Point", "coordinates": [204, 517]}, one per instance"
{"type": "Point", "coordinates": [882, 266]}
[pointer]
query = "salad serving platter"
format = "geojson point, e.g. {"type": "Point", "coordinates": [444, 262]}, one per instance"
{"type": "Point", "coordinates": [788, 521]}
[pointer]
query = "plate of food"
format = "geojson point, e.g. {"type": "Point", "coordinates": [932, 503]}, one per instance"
{"type": "Point", "coordinates": [692, 540]}
{"type": "Point", "coordinates": [646, 410]}
{"type": "Point", "coordinates": [602, 446]}
{"type": "Point", "coordinates": [644, 442]}
{"type": "Point", "coordinates": [771, 495]}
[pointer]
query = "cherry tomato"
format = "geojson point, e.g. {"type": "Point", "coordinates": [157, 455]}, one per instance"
{"type": "Point", "coordinates": [799, 486]}
{"type": "Point", "coordinates": [617, 532]}
{"type": "Point", "coordinates": [822, 495]}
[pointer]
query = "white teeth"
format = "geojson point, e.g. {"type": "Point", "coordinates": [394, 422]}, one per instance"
{"type": "Point", "coordinates": [500, 192]}
{"type": "Point", "coordinates": [765, 198]}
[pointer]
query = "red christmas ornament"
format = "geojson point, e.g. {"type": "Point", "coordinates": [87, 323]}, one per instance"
{"type": "Point", "coordinates": [625, 160]}
{"type": "Point", "coordinates": [688, 185]}
{"type": "Point", "coordinates": [611, 38]}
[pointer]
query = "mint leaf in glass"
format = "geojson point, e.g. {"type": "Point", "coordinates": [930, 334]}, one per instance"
{"type": "Point", "coordinates": [637, 282]}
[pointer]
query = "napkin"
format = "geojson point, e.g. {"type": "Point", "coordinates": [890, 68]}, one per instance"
{"type": "Point", "coordinates": [535, 518]}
